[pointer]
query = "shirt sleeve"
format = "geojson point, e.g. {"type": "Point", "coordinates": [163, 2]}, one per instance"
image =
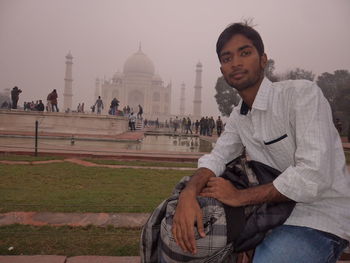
{"type": "Point", "coordinates": [227, 147]}
{"type": "Point", "coordinates": [310, 116]}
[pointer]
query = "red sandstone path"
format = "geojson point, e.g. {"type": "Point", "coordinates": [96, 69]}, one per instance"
{"type": "Point", "coordinates": [91, 164]}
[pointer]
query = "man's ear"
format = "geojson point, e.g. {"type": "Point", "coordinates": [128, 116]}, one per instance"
{"type": "Point", "coordinates": [221, 71]}
{"type": "Point", "coordinates": [263, 61]}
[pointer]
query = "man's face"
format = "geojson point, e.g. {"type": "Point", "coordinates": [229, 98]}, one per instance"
{"type": "Point", "coordinates": [241, 64]}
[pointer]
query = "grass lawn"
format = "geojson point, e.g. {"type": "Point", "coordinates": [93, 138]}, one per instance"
{"type": "Point", "coordinates": [69, 241]}
{"type": "Point", "coordinates": [141, 163]}
{"type": "Point", "coordinates": [67, 187]}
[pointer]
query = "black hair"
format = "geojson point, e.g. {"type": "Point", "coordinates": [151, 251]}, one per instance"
{"type": "Point", "coordinates": [242, 29]}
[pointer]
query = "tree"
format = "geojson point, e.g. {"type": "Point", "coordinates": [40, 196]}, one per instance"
{"type": "Point", "coordinates": [4, 98]}
{"type": "Point", "coordinates": [299, 73]}
{"type": "Point", "coordinates": [226, 96]}
{"type": "Point", "coordinates": [336, 88]}
{"type": "Point", "coordinates": [269, 70]}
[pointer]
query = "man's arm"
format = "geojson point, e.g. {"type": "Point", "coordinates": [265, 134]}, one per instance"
{"type": "Point", "coordinates": [224, 191]}
{"type": "Point", "coordinates": [316, 160]}
{"type": "Point", "coordinates": [188, 211]}
{"type": "Point", "coordinates": [227, 147]}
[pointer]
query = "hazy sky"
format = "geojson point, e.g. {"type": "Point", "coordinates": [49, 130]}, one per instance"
{"type": "Point", "coordinates": [36, 35]}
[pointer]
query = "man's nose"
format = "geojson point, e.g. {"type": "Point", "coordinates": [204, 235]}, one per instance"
{"type": "Point", "coordinates": [236, 61]}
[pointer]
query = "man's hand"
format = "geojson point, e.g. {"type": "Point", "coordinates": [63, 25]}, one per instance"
{"type": "Point", "coordinates": [187, 213]}
{"type": "Point", "coordinates": [222, 190]}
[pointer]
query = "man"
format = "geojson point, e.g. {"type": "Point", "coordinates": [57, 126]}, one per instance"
{"type": "Point", "coordinates": [219, 125]}
{"type": "Point", "coordinates": [99, 105]}
{"type": "Point", "coordinates": [211, 123]}
{"type": "Point", "coordinates": [132, 121]}
{"type": "Point", "coordinates": [338, 125]}
{"type": "Point", "coordinates": [196, 126]}
{"type": "Point", "coordinates": [288, 126]}
{"type": "Point", "coordinates": [188, 125]}
{"type": "Point", "coordinates": [140, 112]}
{"type": "Point", "coordinates": [114, 106]}
{"type": "Point", "coordinates": [40, 106]}
{"type": "Point", "coordinates": [53, 99]}
{"type": "Point", "coordinates": [15, 96]}
{"type": "Point", "coordinates": [176, 124]}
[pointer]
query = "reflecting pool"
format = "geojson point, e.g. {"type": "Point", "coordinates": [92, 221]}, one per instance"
{"type": "Point", "coordinates": [157, 143]}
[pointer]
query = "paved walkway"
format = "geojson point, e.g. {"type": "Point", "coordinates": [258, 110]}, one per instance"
{"type": "Point", "coordinates": [64, 259]}
{"type": "Point", "coordinates": [91, 164]}
{"type": "Point", "coordinates": [80, 259]}
{"type": "Point", "coordinates": [129, 220]}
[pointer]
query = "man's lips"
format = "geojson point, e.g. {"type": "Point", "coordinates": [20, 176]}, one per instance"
{"type": "Point", "coordinates": [238, 74]}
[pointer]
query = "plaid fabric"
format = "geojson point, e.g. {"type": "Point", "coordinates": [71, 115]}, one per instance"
{"type": "Point", "coordinates": [214, 222]}
{"type": "Point", "coordinates": [228, 229]}
{"type": "Point", "coordinates": [157, 239]}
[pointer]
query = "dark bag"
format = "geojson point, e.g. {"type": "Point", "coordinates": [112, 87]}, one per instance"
{"type": "Point", "coordinates": [229, 230]}
{"type": "Point", "coordinates": [255, 220]}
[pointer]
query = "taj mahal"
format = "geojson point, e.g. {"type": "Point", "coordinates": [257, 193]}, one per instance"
{"type": "Point", "coordinates": [138, 84]}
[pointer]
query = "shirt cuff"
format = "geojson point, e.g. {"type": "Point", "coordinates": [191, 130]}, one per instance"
{"type": "Point", "coordinates": [205, 162]}
{"type": "Point", "coordinates": [292, 185]}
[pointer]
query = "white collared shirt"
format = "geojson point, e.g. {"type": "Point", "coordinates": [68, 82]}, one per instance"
{"type": "Point", "coordinates": [290, 128]}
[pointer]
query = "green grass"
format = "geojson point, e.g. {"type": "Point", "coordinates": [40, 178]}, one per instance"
{"type": "Point", "coordinates": [68, 241]}
{"type": "Point", "coordinates": [67, 187]}
{"type": "Point", "coordinates": [28, 158]}
{"type": "Point", "coordinates": [141, 163]}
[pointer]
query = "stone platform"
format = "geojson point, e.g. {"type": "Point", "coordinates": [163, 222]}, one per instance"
{"type": "Point", "coordinates": [59, 123]}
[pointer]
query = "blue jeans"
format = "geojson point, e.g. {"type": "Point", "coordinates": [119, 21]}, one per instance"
{"type": "Point", "coordinates": [294, 244]}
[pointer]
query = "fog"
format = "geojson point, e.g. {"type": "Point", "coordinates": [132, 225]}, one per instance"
{"type": "Point", "coordinates": [36, 35]}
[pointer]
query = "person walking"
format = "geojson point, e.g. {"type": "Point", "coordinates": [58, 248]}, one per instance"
{"type": "Point", "coordinates": [99, 105]}
{"type": "Point", "coordinates": [15, 96]}
{"type": "Point", "coordinates": [197, 126]}
{"type": "Point", "coordinates": [219, 126]}
{"type": "Point", "coordinates": [140, 112]}
{"type": "Point", "coordinates": [188, 125]}
{"type": "Point", "coordinates": [211, 125]}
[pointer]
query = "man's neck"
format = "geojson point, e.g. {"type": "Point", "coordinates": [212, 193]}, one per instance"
{"type": "Point", "coordinates": [248, 95]}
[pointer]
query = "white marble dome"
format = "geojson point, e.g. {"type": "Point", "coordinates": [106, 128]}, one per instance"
{"type": "Point", "coordinates": [139, 63]}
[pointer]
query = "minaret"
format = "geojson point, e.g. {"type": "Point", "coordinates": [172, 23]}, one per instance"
{"type": "Point", "coordinates": [68, 80]}
{"type": "Point", "coordinates": [182, 100]}
{"type": "Point", "coordinates": [197, 100]}
{"type": "Point", "coordinates": [97, 89]}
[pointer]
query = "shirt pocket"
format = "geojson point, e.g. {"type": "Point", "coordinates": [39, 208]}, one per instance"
{"type": "Point", "coordinates": [280, 148]}
{"type": "Point", "coordinates": [275, 140]}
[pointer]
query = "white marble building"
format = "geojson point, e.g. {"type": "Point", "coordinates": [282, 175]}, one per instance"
{"type": "Point", "coordinates": [137, 84]}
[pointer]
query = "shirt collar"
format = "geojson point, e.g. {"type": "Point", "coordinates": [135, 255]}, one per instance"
{"type": "Point", "coordinates": [261, 99]}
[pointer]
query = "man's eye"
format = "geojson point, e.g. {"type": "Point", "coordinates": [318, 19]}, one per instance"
{"type": "Point", "coordinates": [245, 53]}
{"type": "Point", "coordinates": [225, 59]}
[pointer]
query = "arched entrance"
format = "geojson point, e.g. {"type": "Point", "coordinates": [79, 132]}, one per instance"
{"type": "Point", "coordinates": [135, 97]}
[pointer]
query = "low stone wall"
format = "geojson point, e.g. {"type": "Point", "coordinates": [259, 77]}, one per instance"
{"type": "Point", "coordinates": [19, 122]}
